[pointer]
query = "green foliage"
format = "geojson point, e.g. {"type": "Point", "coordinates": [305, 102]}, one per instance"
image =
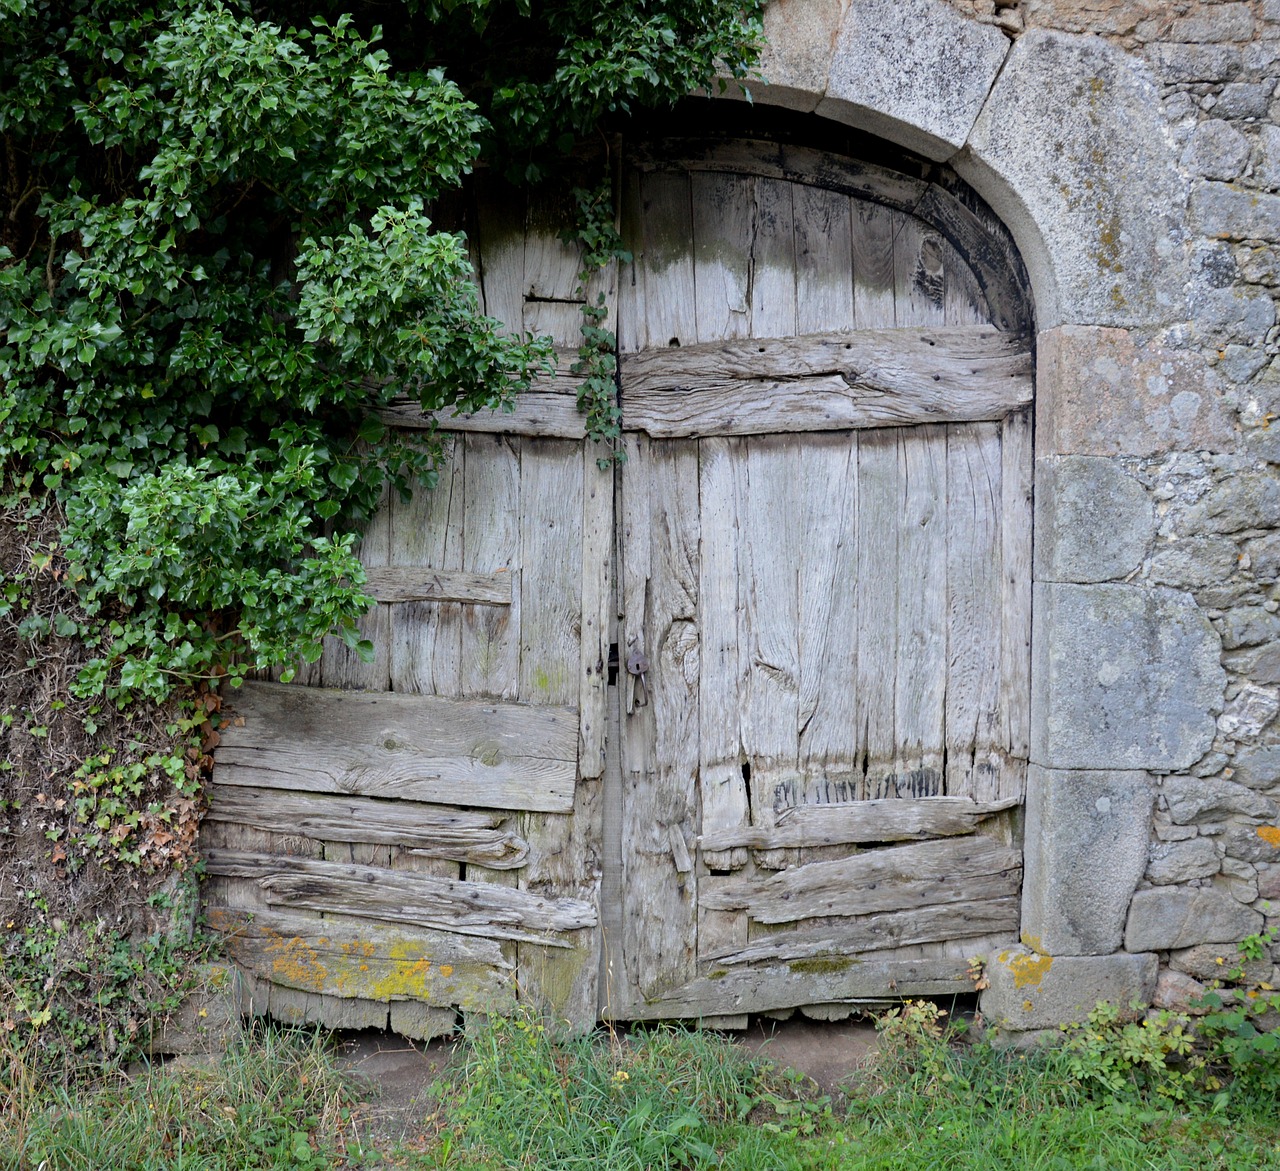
{"type": "Point", "coordinates": [1228, 1045]}
{"type": "Point", "coordinates": [217, 263]}
{"type": "Point", "coordinates": [275, 1100]}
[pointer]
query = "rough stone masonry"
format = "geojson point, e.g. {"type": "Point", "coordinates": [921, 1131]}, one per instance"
{"type": "Point", "coordinates": [1133, 148]}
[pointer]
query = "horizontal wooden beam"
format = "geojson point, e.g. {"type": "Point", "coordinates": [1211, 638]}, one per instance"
{"type": "Point", "coordinates": [369, 961]}
{"type": "Point", "coordinates": [890, 820]}
{"type": "Point", "coordinates": [420, 583]}
{"type": "Point", "coordinates": [724, 992]}
{"type": "Point", "coordinates": [485, 909]}
{"type": "Point", "coordinates": [436, 831]}
{"type": "Point", "coordinates": [895, 878]}
{"type": "Point", "coordinates": [414, 747]}
{"type": "Point", "coordinates": [825, 382]}
{"type": "Point", "coordinates": [891, 929]}
{"type": "Point", "coordinates": [549, 408]}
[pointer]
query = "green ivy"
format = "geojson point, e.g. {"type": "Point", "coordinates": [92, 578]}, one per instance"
{"type": "Point", "coordinates": [218, 264]}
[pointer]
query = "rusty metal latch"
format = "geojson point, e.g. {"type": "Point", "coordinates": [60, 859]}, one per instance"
{"type": "Point", "coordinates": [638, 665]}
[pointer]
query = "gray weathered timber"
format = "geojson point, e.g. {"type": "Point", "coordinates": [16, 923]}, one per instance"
{"type": "Point", "coordinates": [954, 870]}
{"type": "Point", "coordinates": [397, 896]}
{"type": "Point", "coordinates": [421, 583]}
{"type": "Point", "coordinates": [339, 665]}
{"type": "Point", "coordinates": [722, 789]}
{"type": "Point", "coordinates": [660, 736]}
{"type": "Point", "coordinates": [490, 637]}
{"type": "Point", "coordinates": [372, 961]}
{"type": "Point", "coordinates": [778, 986]}
{"type": "Point", "coordinates": [974, 622]}
{"type": "Point", "coordinates": [723, 216]}
{"type": "Point", "coordinates": [1015, 610]}
{"type": "Point", "coordinates": [855, 379]}
{"type": "Point", "coordinates": [920, 670]}
{"type": "Point", "coordinates": [597, 592]}
{"type": "Point", "coordinates": [920, 273]}
{"type": "Point", "coordinates": [462, 835]}
{"type": "Point", "coordinates": [536, 412]}
{"type": "Point", "coordinates": [823, 259]}
{"type": "Point", "coordinates": [421, 748]}
{"type": "Point", "coordinates": [873, 269]}
{"type": "Point", "coordinates": [850, 935]}
{"type": "Point", "coordinates": [889, 820]}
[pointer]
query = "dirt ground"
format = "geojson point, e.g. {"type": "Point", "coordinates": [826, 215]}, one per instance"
{"type": "Point", "coordinates": [401, 1072]}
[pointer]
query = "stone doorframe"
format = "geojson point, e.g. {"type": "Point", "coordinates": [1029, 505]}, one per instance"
{"type": "Point", "coordinates": [1063, 136]}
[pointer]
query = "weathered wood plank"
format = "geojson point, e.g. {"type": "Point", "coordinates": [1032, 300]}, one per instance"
{"type": "Point", "coordinates": [490, 639]}
{"type": "Point", "coordinates": [500, 223]}
{"type": "Point", "coordinates": [722, 790]}
{"type": "Point", "coordinates": [370, 961]}
{"type": "Point", "coordinates": [552, 298]}
{"type": "Point", "coordinates": [868, 933]}
{"type": "Point", "coordinates": [483, 909]}
{"type": "Point", "coordinates": [597, 592]}
{"type": "Point", "coordinates": [769, 615]}
{"type": "Point", "coordinates": [772, 251]}
{"type": "Point", "coordinates": [422, 748]}
{"type": "Point", "coordinates": [425, 533]}
{"type": "Point", "coordinates": [764, 989]}
{"type": "Point", "coordinates": [564, 851]}
{"type": "Point", "coordinates": [828, 644]}
{"type": "Point", "coordinates": [919, 276]}
{"type": "Point", "coordinates": [953, 870]}
{"type": "Point", "coordinates": [920, 667]}
{"type": "Point", "coordinates": [859, 379]}
{"type": "Point", "coordinates": [891, 819]}
{"type": "Point", "coordinates": [722, 223]}
{"type": "Point", "coordinates": [824, 260]}
{"type": "Point", "coordinates": [973, 601]}
{"type": "Point", "coordinates": [436, 831]}
{"type": "Point", "coordinates": [879, 503]}
{"type": "Point", "coordinates": [537, 413]}
{"type": "Point", "coordinates": [1015, 537]}
{"type": "Point", "coordinates": [422, 583]}
{"type": "Point", "coordinates": [667, 291]}
{"type": "Point", "coordinates": [661, 740]}
{"type": "Point", "coordinates": [873, 228]}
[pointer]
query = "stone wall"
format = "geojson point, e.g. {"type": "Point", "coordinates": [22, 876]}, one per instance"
{"type": "Point", "coordinates": [1133, 148]}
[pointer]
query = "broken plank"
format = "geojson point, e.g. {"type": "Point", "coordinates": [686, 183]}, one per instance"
{"type": "Point", "coordinates": [405, 896]}
{"type": "Point", "coordinates": [764, 989]}
{"type": "Point", "coordinates": [421, 583]}
{"type": "Point", "coordinates": [369, 961]}
{"type": "Point", "coordinates": [888, 820]}
{"type": "Point", "coordinates": [418, 747]}
{"type": "Point", "coordinates": [891, 929]}
{"type": "Point", "coordinates": [888, 879]}
{"type": "Point", "coordinates": [436, 831]}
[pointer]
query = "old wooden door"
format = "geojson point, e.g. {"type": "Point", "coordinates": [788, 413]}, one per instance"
{"type": "Point", "coordinates": [815, 560]}
{"type": "Point", "coordinates": [392, 841]}
{"type": "Point", "coordinates": [824, 555]}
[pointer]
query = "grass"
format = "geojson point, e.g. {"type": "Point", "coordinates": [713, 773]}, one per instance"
{"type": "Point", "coordinates": [658, 1100]}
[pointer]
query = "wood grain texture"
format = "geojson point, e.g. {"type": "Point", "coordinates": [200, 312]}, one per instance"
{"type": "Point", "coordinates": [869, 933]}
{"type": "Point", "coordinates": [776, 986]}
{"type": "Point", "coordinates": [1015, 537]}
{"type": "Point", "coordinates": [421, 583]}
{"type": "Point", "coordinates": [723, 215]}
{"type": "Point", "coordinates": [890, 819]}
{"type": "Point", "coordinates": [856, 379]}
{"type": "Point", "coordinates": [340, 665]}
{"type": "Point", "coordinates": [660, 737]}
{"type": "Point", "coordinates": [824, 260]}
{"type": "Point", "coordinates": [973, 602]}
{"type": "Point", "coordinates": [951, 870]}
{"type": "Point", "coordinates": [481, 909]}
{"type": "Point", "coordinates": [422, 748]}
{"type": "Point", "coordinates": [461, 835]}
{"type": "Point", "coordinates": [490, 635]}
{"type": "Point", "coordinates": [370, 961]}
{"type": "Point", "coordinates": [535, 412]}
{"type": "Point", "coordinates": [597, 592]}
